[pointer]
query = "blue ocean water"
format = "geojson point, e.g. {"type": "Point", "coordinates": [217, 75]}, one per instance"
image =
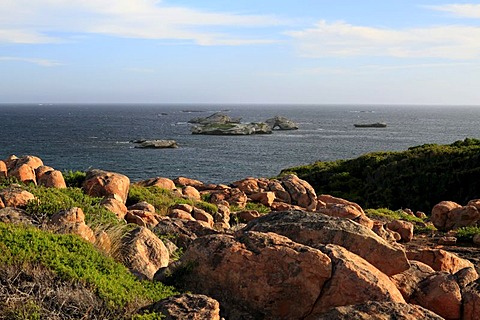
{"type": "Point", "coordinates": [79, 137]}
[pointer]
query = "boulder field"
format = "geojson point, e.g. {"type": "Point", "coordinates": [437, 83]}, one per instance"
{"type": "Point", "coordinates": [307, 257]}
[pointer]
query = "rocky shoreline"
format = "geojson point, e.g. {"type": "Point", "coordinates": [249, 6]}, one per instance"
{"type": "Point", "coordinates": [263, 248]}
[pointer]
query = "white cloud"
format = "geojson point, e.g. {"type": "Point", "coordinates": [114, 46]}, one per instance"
{"type": "Point", "coordinates": [459, 10]}
{"type": "Point", "coordinates": [37, 61]}
{"type": "Point", "coordinates": [342, 39]}
{"type": "Point", "coordinates": [149, 19]}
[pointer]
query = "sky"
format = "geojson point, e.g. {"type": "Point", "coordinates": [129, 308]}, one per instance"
{"type": "Point", "coordinates": [247, 51]}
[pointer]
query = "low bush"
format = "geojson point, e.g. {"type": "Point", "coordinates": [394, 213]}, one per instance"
{"type": "Point", "coordinates": [51, 200]}
{"type": "Point", "coordinates": [417, 178]}
{"type": "Point", "coordinates": [467, 233]}
{"type": "Point", "coordinates": [162, 199]}
{"type": "Point", "coordinates": [72, 260]}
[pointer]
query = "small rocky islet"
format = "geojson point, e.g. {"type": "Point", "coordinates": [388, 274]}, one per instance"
{"type": "Point", "coordinates": [256, 248]}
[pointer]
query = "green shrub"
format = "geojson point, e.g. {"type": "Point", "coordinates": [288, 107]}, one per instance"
{"type": "Point", "coordinates": [73, 259]}
{"type": "Point", "coordinates": [417, 178]}
{"type": "Point", "coordinates": [52, 200]}
{"type": "Point", "coordinates": [467, 233]}
{"type": "Point", "coordinates": [258, 207]}
{"type": "Point", "coordinates": [391, 215]}
{"type": "Point", "coordinates": [162, 199]}
{"type": "Point", "coordinates": [74, 179]}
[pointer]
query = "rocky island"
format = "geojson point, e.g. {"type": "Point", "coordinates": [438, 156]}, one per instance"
{"type": "Point", "coordinates": [221, 124]}
{"type": "Point", "coordinates": [77, 245]}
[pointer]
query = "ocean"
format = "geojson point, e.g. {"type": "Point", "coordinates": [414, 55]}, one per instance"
{"type": "Point", "coordinates": [83, 136]}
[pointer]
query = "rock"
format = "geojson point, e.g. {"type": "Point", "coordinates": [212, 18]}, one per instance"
{"type": "Point", "coordinates": [407, 281]}
{"type": "Point", "coordinates": [143, 205]}
{"type": "Point", "coordinates": [386, 234]}
{"type": "Point", "coordinates": [447, 241]}
{"type": "Point", "coordinates": [202, 215]}
{"type": "Point", "coordinates": [115, 206]}
{"type": "Point", "coordinates": [374, 310]}
{"type": "Point", "coordinates": [462, 217]}
{"type": "Point", "coordinates": [441, 294]}
{"type": "Point", "coordinates": [466, 276]}
{"type": "Point", "coordinates": [301, 192]}
{"type": "Point", "coordinates": [11, 161]}
{"type": "Point", "coordinates": [3, 170]}
{"type": "Point", "coordinates": [440, 213]}
{"type": "Point", "coordinates": [31, 161]}
{"type": "Point", "coordinates": [420, 214]}
{"type": "Point", "coordinates": [222, 215]}
{"type": "Point", "coordinates": [404, 228]}
{"type": "Point", "coordinates": [164, 183]}
{"type": "Point", "coordinates": [16, 197]}
{"type": "Point", "coordinates": [181, 214]}
{"type": "Point", "coordinates": [216, 118]}
{"type": "Point", "coordinates": [187, 306]}
{"type": "Point", "coordinates": [265, 274]}
{"type": "Point", "coordinates": [16, 216]}
{"type": "Point", "coordinates": [147, 218]}
{"type": "Point", "coordinates": [471, 301]}
{"type": "Point", "coordinates": [232, 129]}
{"type": "Point", "coordinates": [281, 123]}
{"type": "Point", "coordinates": [265, 198]}
{"type": "Point", "coordinates": [476, 239]}
{"type": "Point", "coordinates": [313, 229]}
{"type": "Point", "coordinates": [183, 232]}
{"type": "Point", "coordinates": [2, 205]}
{"type": "Point", "coordinates": [72, 221]}
{"type": "Point", "coordinates": [99, 183]}
{"type": "Point", "coordinates": [328, 199]}
{"type": "Point", "coordinates": [24, 173]}
{"type": "Point", "coordinates": [183, 182]}
{"type": "Point", "coordinates": [40, 171]}
{"type": "Point", "coordinates": [52, 179]}
{"type": "Point", "coordinates": [248, 186]}
{"type": "Point", "coordinates": [156, 144]}
{"type": "Point", "coordinates": [144, 253]}
{"type": "Point", "coordinates": [280, 193]}
{"type": "Point", "coordinates": [191, 193]}
{"type": "Point", "coordinates": [439, 260]}
{"type": "Point", "coordinates": [353, 281]}
{"type": "Point", "coordinates": [340, 210]}
{"type": "Point", "coordinates": [248, 215]}
{"type": "Point", "coordinates": [182, 206]}
{"type": "Point", "coordinates": [233, 196]}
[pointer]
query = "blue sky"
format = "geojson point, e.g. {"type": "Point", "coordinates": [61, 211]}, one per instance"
{"type": "Point", "coordinates": [263, 51]}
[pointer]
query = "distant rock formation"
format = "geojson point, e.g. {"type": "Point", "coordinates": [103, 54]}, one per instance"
{"type": "Point", "coordinates": [155, 144]}
{"type": "Point", "coordinates": [232, 129]}
{"type": "Point", "coordinates": [281, 123]}
{"type": "Point", "coordinates": [221, 124]}
{"type": "Point", "coordinates": [216, 118]}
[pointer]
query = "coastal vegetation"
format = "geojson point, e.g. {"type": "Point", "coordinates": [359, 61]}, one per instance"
{"type": "Point", "coordinates": [417, 178]}
{"type": "Point", "coordinates": [56, 276]}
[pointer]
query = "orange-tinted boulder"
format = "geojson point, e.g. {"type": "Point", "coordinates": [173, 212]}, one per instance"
{"type": "Point", "coordinates": [161, 182]}
{"type": "Point", "coordinates": [72, 221]}
{"type": "Point", "coordinates": [265, 274]}
{"type": "Point", "coordinates": [441, 294]}
{"type": "Point", "coordinates": [99, 183]}
{"type": "Point", "coordinates": [440, 213]}
{"type": "Point", "coordinates": [144, 253]}
{"type": "Point", "coordinates": [52, 179]}
{"type": "Point", "coordinates": [301, 192]}
{"type": "Point", "coordinates": [439, 260]}
{"type": "Point", "coordinates": [15, 197]}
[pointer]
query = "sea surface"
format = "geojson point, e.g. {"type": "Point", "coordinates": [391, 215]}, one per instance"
{"type": "Point", "coordinates": [78, 137]}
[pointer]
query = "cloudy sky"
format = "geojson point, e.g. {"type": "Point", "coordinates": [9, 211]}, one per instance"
{"type": "Point", "coordinates": [249, 51]}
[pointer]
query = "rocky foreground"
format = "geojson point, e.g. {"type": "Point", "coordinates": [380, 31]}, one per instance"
{"type": "Point", "coordinates": [308, 257]}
